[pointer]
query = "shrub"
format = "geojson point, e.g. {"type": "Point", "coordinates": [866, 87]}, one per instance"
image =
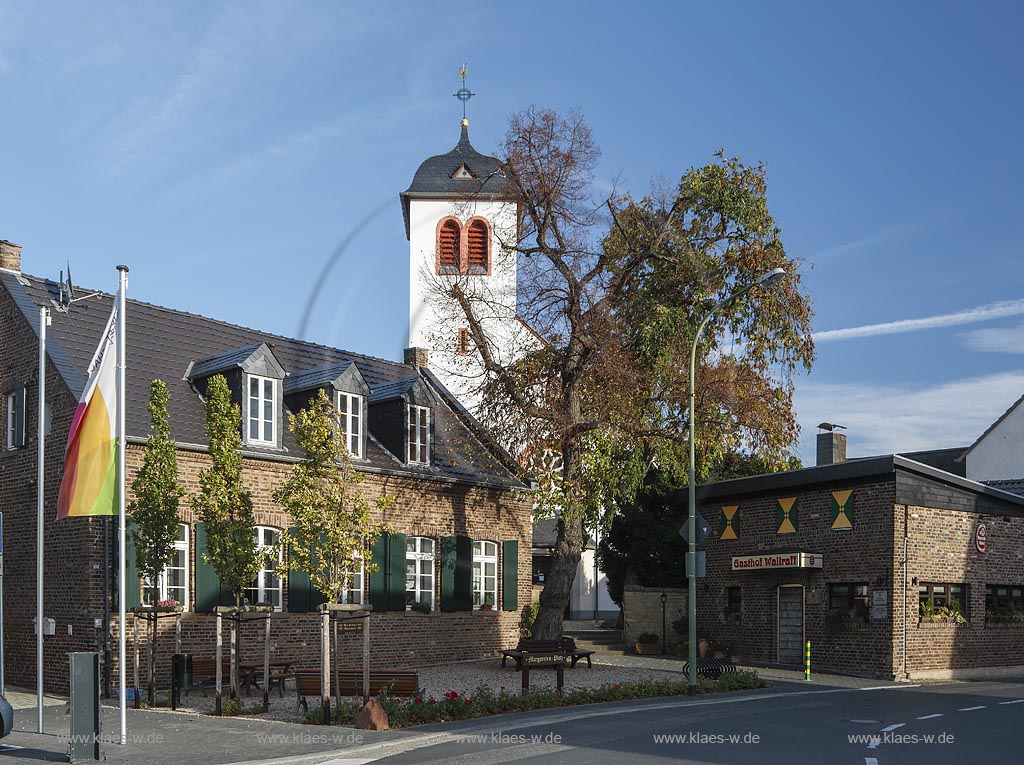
{"type": "Point", "coordinates": [421, 606]}
{"type": "Point", "coordinates": [526, 620]}
{"type": "Point", "coordinates": [231, 707]}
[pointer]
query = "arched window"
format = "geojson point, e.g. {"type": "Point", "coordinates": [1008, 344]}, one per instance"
{"type": "Point", "coordinates": [449, 246]}
{"type": "Point", "coordinates": [478, 247]}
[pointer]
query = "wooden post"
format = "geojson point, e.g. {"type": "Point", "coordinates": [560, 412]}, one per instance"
{"type": "Point", "coordinates": [366, 657]}
{"type": "Point", "coordinates": [220, 653]}
{"type": "Point", "coordinates": [234, 656]}
{"type": "Point", "coordinates": [135, 642]}
{"type": "Point", "coordinates": [325, 664]}
{"type": "Point", "coordinates": [266, 666]}
{"type": "Point", "coordinates": [334, 658]}
{"type": "Point", "coordinates": [151, 691]}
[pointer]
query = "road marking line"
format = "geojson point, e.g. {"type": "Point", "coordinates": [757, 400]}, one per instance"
{"type": "Point", "coordinates": [892, 727]}
{"type": "Point", "coordinates": [1015, 701]}
{"type": "Point", "coordinates": [929, 717]}
{"type": "Point", "coordinates": [875, 742]}
{"type": "Point", "coordinates": [870, 761]}
{"type": "Point", "coordinates": [970, 709]}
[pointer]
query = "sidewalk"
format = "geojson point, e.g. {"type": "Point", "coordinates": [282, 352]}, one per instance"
{"type": "Point", "coordinates": [667, 664]}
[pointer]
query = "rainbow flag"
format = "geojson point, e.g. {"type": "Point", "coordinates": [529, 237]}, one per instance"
{"type": "Point", "coordinates": [89, 486]}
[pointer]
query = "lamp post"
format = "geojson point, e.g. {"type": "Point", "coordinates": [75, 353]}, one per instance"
{"type": "Point", "coordinates": [769, 279]}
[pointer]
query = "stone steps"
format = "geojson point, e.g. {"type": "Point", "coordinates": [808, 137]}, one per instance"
{"type": "Point", "coordinates": [599, 640]}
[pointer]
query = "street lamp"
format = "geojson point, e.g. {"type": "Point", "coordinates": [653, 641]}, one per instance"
{"type": "Point", "coordinates": [769, 279]}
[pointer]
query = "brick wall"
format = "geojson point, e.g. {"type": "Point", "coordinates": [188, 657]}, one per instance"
{"type": "Point", "coordinates": [74, 578]}
{"type": "Point", "coordinates": [642, 612]}
{"type": "Point", "coordinates": [862, 554]}
{"type": "Point", "coordinates": [941, 548]}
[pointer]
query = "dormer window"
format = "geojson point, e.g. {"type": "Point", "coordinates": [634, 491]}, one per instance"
{"type": "Point", "coordinates": [419, 435]}
{"type": "Point", "coordinates": [262, 418]}
{"type": "Point", "coordinates": [350, 410]}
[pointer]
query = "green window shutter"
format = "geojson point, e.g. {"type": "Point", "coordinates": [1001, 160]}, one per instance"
{"type": "Point", "coordinates": [19, 415]}
{"type": "Point", "coordinates": [463, 573]}
{"type": "Point", "coordinates": [298, 585]}
{"type": "Point", "coordinates": [448, 574]}
{"type": "Point", "coordinates": [315, 596]}
{"type": "Point", "coordinates": [510, 575]}
{"type": "Point", "coordinates": [209, 593]}
{"type": "Point", "coordinates": [379, 576]}
{"type": "Point", "coordinates": [133, 585]}
{"type": "Point", "coordinates": [396, 566]}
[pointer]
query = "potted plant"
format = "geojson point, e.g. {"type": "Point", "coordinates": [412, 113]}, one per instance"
{"type": "Point", "coordinates": [420, 607]}
{"type": "Point", "coordinates": [488, 604]}
{"type": "Point", "coordinates": [647, 643]}
{"type": "Point", "coordinates": [719, 650]}
{"type": "Point", "coordinates": [682, 648]}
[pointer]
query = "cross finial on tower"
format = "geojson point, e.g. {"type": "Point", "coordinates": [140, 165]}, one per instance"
{"type": "Point", "coordinates": [464, 93]}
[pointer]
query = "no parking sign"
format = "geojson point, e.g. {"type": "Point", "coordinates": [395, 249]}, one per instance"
{"type": "Point", "coordinates": [981, 538]}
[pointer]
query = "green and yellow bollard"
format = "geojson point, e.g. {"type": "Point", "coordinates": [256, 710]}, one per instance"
{"type": "Point", "coordinates": [807, 662]}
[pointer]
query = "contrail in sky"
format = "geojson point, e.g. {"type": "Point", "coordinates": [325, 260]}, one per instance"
{"type": "Point", "coordinates": [997, 310]}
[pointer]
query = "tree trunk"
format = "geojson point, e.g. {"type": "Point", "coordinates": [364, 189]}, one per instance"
{"type": "Point", "coordinates": [554, 597]}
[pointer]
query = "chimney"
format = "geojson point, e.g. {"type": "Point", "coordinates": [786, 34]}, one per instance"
{"type": "Point", "coordinates": [10, 255]}
{"type": "Point", "coordinates": [417, 357]}
{"type": "Point", "coordinates": [831, 444]}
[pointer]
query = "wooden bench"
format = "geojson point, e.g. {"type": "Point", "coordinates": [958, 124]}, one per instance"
{"type": "Point", "coordinates": [400, 682]}
{"type": "Point", "coordinates": [205, 669]}
{"type": "Point", "coordinates": [565, 645]}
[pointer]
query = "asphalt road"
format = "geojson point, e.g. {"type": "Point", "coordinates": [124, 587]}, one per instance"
{"type": "Point", "coordinates": [790, 723]}
{"type": "Point", "coordinates": [957, 724]}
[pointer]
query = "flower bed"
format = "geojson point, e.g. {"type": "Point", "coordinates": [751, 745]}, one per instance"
{"type": "Point", "coordinates": [403, 712]}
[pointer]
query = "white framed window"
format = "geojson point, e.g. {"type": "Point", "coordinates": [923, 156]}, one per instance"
{"type": "Point", "coordinates": [350, 409]}
{"type": "Point", "coordinates": [419, 571]}
{"type": "Point", "coordinates": [419, 434]}
{"type": "Point", "coordinates": [267, 587]}
{"type": "Point", "coordinates": [172, 584]}
{"type": "Point", "coordinates": [262, 418]}
{"type": "Point", "coordinates": [354, 593]}
{"type": "Point", "coordinates": [12, 421]}
{"type": "Point", "coordinates": [485, 574]}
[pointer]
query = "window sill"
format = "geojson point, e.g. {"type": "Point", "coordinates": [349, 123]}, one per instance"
{"type": "Point", "coordinates": [940, 623]}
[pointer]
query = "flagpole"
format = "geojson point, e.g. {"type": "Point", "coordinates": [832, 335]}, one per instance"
{"type": "Point", "coordinates": [44, 319]}
{"type": "Point", "coordinates": [122, 526]}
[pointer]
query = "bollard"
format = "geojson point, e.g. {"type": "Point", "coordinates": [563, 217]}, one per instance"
{"type": "Point", "coordinates": [807, 659]}
{"type": "Point", "coordinates": [84, 703]}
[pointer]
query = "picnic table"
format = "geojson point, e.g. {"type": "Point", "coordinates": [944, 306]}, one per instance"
{"type": "Point", "coordinates": [251, 673]}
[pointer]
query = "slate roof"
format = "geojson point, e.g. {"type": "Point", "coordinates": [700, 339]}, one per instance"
{"type": "Point", "coordinates": [161, 343]}
{"type": "Point", "coordinates": [545, 534]}
{"type": "Point", "coordinates": [434, 177]}
{"type": "Point", "coordinates": [1012, 485]}
{"type": "Point", "coordinates": [314, 378]}
{"type": "Point", "coordinates": [392, 389]}
{"type": "Point", "coordinates": [222, 361]}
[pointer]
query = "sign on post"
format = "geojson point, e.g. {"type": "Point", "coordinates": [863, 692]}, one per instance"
{"type": "Point", "coordinates": [703, 529]}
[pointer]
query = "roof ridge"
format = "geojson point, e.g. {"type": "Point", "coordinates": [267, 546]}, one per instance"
{"type": "Point", "coordinates": [273, 335]}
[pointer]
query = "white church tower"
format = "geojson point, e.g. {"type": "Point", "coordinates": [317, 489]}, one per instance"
{"type": "Point", "coordinates": [461, 219]}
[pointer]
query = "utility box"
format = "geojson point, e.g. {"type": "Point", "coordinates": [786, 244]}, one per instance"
{"type": "Point", "coordinates": [85, 706]}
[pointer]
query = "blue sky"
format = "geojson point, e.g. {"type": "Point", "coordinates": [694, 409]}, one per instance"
{"type": "Point", "coordinates": [223, 150]}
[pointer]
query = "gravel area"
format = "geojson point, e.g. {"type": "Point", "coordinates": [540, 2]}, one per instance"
{"type": "Point", "coordinates": [440, 679]}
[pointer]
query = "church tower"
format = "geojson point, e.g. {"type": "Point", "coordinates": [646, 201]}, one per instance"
{"type": "Point", "coordinates": [461, 219]}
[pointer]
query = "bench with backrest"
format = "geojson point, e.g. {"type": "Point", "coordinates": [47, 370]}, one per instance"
{"type": "Point", "coordinates": [566, 645]}
{"type": "Point", "coordinates": [396, 682]}
{"type": "Point", "coordinates": [204, 675]}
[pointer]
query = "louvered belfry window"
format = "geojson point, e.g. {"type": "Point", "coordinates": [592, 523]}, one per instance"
{"type": "Point", "coordinates": [477, 241]}
{"type": "Point", "coordinates": [448, 246]}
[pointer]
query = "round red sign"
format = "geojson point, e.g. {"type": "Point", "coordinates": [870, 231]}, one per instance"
{"type": "Point", "coordinates": [981, 537]}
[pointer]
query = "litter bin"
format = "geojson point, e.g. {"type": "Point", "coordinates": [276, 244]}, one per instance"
{"type": "Point", "coordinates": [181, 676]}
{"type": "Point", "coordinates": [6, 717]}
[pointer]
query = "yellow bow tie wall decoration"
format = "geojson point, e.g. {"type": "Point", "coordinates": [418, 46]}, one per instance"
{"type": "Point", "coordinates": [842, 509]}
{"type": "Point", "coordinates": [787, 516]}
{"type": "Point", "coordinates": [730, 522]}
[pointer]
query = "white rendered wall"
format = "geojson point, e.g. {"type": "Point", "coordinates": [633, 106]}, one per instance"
{"type": "Point", "coordinates": [1000, 454]}
{"type": "Point", "coordinates": [588, 584]}
{"type": "Point", "coordinates": [433, 323]}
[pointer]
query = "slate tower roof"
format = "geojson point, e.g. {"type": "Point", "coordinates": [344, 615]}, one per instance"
{"type": "Point", "coordinates": [462, 172]}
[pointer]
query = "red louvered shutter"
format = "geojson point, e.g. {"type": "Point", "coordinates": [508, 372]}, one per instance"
{"type": "Point", "coordinates": [448, 248]}
{"type": "Point", "coordinates": [478, 247]}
